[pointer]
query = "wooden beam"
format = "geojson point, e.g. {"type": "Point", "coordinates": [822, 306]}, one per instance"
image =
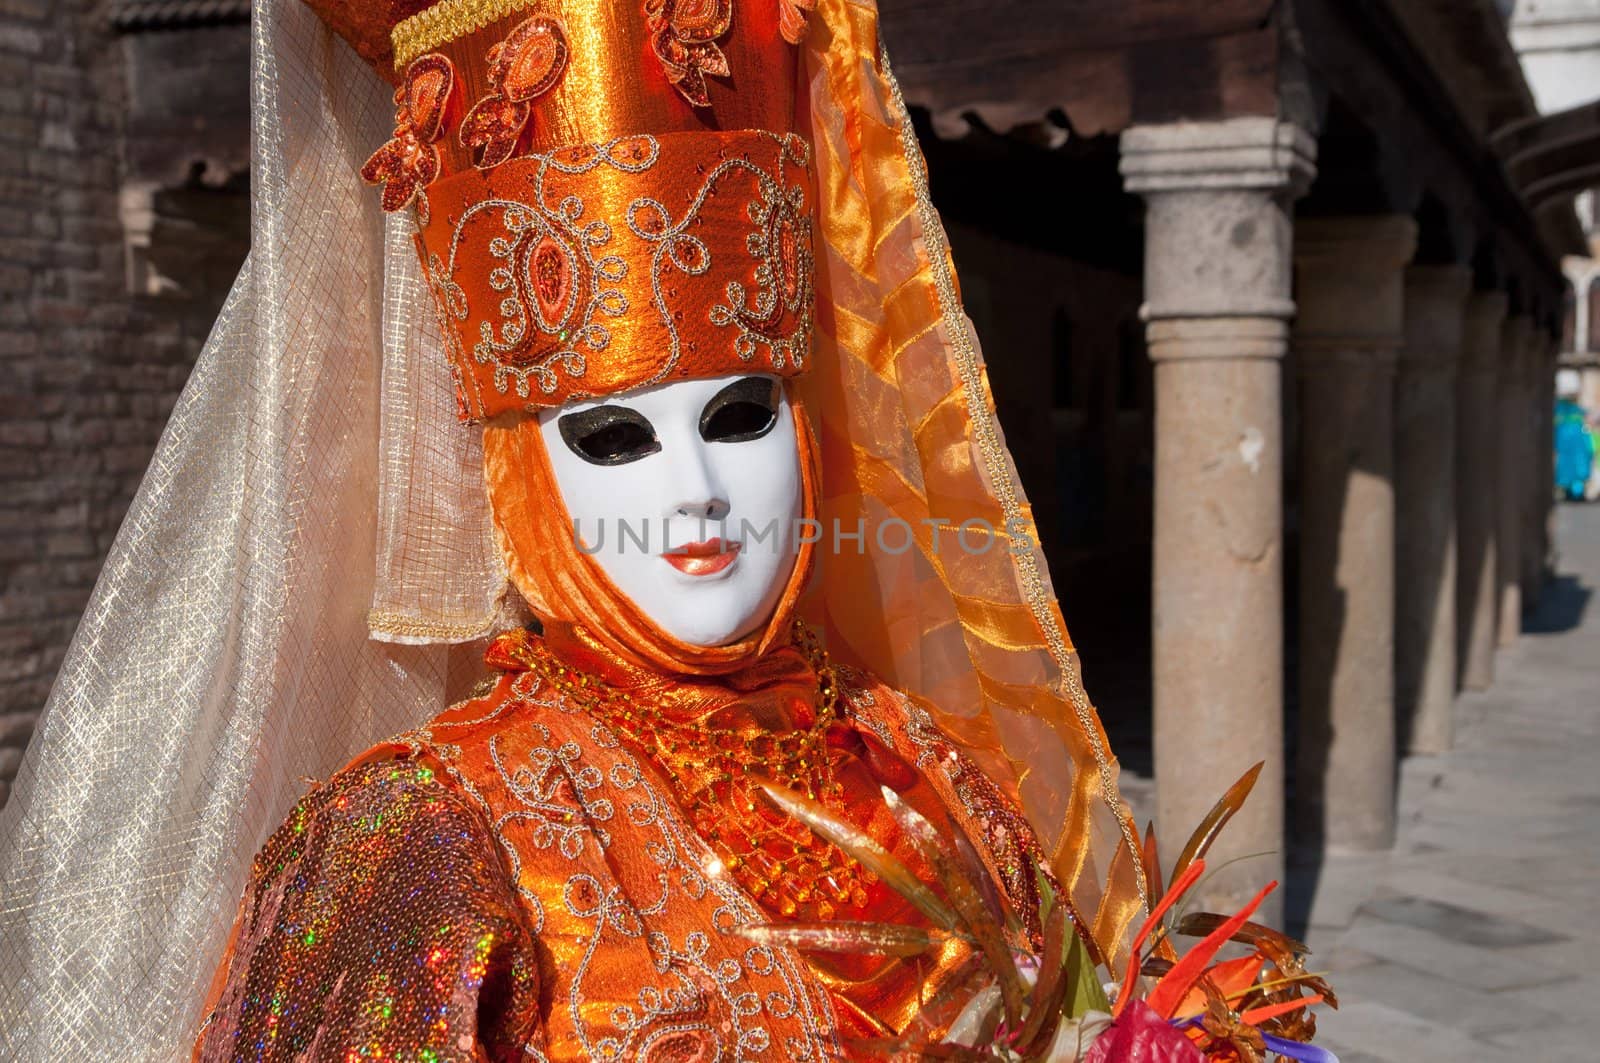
{"type": "Point", "coordinates": [935, 30]}
{"type": "Point", "coordinates": [1360, 52]}
{"type": "Point", "coordinates": [1106, 64]}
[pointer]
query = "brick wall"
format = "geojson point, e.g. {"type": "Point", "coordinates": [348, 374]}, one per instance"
{"type": "Point", "coordinates": [88, 373]}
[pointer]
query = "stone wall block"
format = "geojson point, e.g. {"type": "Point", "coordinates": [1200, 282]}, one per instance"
{"type": "Point", "coordinates": [75, 349]}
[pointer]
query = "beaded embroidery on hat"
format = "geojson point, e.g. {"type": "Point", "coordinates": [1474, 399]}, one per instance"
{"type": "Point", "coordinates": [523, 67]}
{"type": "Point", "coordinates": [598, 269]}
{"type": "Point", "coordinates": [683, 34]}
{"type": "Point", "coordinates": [409, 162]}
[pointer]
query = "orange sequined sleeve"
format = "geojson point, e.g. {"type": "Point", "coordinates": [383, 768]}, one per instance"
{"type": "Point", "coordinates": [379, 923]}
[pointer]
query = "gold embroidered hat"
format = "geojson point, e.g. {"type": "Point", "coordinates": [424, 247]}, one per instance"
{"type": "Point", "coordinates": [609, 195]}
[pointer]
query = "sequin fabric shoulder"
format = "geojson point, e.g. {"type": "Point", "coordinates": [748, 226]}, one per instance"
{"type": "Point", "coordinates": [379, 923]}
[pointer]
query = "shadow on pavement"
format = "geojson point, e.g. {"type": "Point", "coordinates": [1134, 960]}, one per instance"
{"type": "Point", "coordinates": [1561, 607]}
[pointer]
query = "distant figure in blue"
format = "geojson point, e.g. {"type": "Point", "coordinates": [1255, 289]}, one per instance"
{"type": "Point", "coordinates": [1574, 449]}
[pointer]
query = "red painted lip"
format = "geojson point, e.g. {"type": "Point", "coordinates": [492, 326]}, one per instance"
{"type": "Point", "coordinates": [703, 559]}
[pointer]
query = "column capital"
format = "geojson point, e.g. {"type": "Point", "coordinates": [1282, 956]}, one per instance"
{"type": "Point", "coordinates": [1349, 287]}
{"type": "Point", "coordinates": [1374, 245]}
{"type": "Point", "coordinates": [1435, 282]}
{"type": "Point", "coordinates": [1231, 338]}
{"type": "Point", "coordinates": [1218, 229]}
{"type": "Point", "coordinates": [1230, 154]}
{"type": "Point", "coordinates": [1435, 316]}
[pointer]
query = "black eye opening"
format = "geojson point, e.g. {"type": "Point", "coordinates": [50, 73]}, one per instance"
{"type": "Point", "coordinates": [609, 435]}
{"type": "Point", "coordinates": [744, 410]}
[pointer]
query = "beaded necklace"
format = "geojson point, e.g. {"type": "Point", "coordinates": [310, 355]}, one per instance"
{"type": "Point", "coordinates": [714, 772]}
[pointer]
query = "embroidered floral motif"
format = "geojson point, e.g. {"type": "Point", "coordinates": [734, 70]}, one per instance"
{"type": "Point", "coordinates": [409, 162]}
{"type": "Point", "coordinates": [617, 265]}
{"type": "Point", "coordinates": [524, 66]}
{"type": "Point", "coordinates": [549, 259]}
{"type": "Point", "coordinates": [572, 812]}
{"type": "Point", "coordinates": [683, 34]}
{"type": "Point", "coordinates": [781, 245]}
{"type": "Point", "coordinates": [792, 15]}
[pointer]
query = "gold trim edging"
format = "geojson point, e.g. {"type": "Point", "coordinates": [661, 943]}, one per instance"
{"type": "Point", "coordinates": [446, 22]}
{"type": "Point", "coordinates": [387, 623]}
{"type": "Point", "coordinates": [988, 438]}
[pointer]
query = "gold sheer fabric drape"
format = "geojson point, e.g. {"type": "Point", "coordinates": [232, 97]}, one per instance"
{"type": "Point", "coordinates": [225, 653]}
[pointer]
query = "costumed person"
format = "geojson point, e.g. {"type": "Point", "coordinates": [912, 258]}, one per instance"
{"type": "Point", "coordinates": [678, 259]}
{"type": "Point", "coordinates": [1574, 446]}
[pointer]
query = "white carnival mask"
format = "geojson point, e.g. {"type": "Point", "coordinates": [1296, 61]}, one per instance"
{"type": "Point", "coordinates": [688, 495]}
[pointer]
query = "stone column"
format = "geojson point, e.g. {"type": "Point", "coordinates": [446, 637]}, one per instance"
{"type": "Point", "coordinates": [1511, 470]}
{"type": "Point", "coordinates": [1541, 474]}
{"type": "Point", "coordinates": [1547, 498]}
{"type": "Point", "coordinates": [1218, 231]}
{"type": "Point", "coordinates": [1425, 506]}
{"type": "Point", "coordinates": [1477, 488]}
{"type": "Point", "coordinates": [1349, 283]}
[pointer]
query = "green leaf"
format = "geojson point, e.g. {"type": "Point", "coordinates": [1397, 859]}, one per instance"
{"type": "Point", "coordinates": [1085, 993]}
{"type": "Point", "coordinates": [1047, 894]}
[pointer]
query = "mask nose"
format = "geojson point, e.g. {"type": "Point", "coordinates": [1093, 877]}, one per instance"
{"type": "Point", "coordinates": [697, 488]}
{"type": "Point", "coordinates": [711, 510]}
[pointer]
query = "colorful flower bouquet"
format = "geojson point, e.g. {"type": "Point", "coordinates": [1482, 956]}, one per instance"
{"type": "Point", "coordinates": [1013, 1001]}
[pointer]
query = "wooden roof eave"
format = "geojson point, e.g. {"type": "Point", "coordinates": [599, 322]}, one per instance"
{"type": "Point", "coordinates": [1105, 64]}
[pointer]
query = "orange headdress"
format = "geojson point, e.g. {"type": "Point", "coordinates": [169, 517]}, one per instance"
{"type": "Point", "coordinates": [613, 194]}
{"type": "Point", "coordinates": [609, 195]}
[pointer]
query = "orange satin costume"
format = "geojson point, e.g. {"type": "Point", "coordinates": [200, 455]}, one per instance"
{"type": "Point", "coordinates": [612, 194]}
{"type": "Point", "coordinates": [512, 881]}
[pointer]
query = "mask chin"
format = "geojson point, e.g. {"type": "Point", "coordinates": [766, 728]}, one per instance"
{"type": "Point", "coordinates": [687, 497]}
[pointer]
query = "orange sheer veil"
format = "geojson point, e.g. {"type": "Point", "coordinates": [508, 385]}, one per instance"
{"type": "Point", "coordinates": [912, 452]}
{"type": "Point", "coordinates": [928, 572]}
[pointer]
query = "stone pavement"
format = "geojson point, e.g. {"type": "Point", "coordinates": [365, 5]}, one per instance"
{"type": "Point", "coordinates": [1478, 937]}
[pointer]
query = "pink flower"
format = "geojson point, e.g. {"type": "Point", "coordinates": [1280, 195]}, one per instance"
{"type": "Point", "coordinates": [1139, 1035]}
